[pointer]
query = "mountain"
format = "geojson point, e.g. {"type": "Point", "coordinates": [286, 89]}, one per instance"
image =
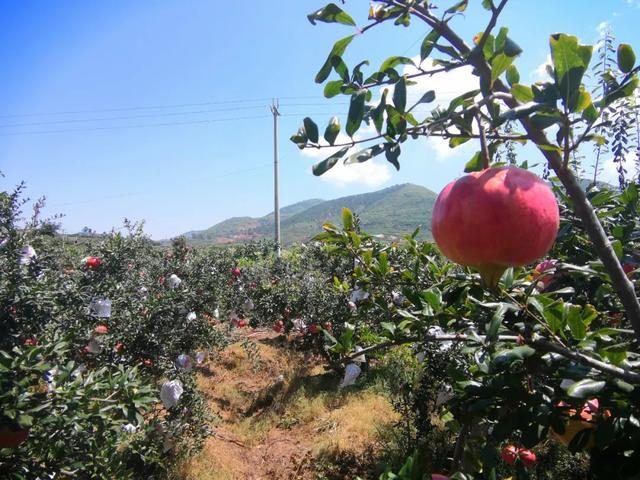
{"type": "Point", "coordinates": [391, 212]}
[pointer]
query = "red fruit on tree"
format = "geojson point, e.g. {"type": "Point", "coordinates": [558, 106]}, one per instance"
{"type": "Point", "coordinates": [235, 271]}
{"type": "Point", "coordinates": [278, 326]}
{"type": "Point", "coordinates": [313, 329]}
{"type": "Point", "coordinates": [31, 342]}
{"type": "Point", "coordinates": [527, 457]}
{"type": "Point", "coordinates": [101, 329]}
{"type": "Point", "coordinates": [93, 263]}
{"type": "Point", "coordinates": [328, 326]}
{"type": "Point", "coordinates": [242, 323]}
{"type": "Point", "coordinates": [509, 454]}
{"type": "Point", "coordinates": [495, 219]}
{"type": "Point", "coordinates": [118, 347]}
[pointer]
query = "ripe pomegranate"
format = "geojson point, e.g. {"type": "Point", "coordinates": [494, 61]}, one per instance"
{"type": "Point", "coordinates": [101, 329]}
{"type": "Point", "coordinates": [313, 329]}
{"type": "Point", "coordinates": [235, 271]}
{"type": "Point", "coordinates": [31, 342]}
{"type": "Point", "coordinates": [328, 326]}
{"type": "Point", "coordinates": [278, 326]}
{"type": "Point", "coordinates": [509, 454]}
{"type": "Point", "coordinates": [242, 323]}
{"type": "Point", "coordinates": [527, 457]}
{"type": "Point", "coordinates": [495, 219]}
{"type": "Point", "coordinates": [93, 263]}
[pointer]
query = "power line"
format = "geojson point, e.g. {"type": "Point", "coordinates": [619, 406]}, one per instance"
{"type": "Point", "coordinates": [121, 127]}
{"type": "Point", "coordinates": [150, 107]}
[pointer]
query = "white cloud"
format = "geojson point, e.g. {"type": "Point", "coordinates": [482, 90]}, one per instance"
{"type": "Point", "coordinates": [633, 3]}
{"type": "Point", "coordinates": [372, 173]}
{"type": "Point", "coordinates": [540, 73]}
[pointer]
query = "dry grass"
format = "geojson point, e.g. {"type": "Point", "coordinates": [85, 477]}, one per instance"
{"type": "Point", "coordinates": [283, 428]}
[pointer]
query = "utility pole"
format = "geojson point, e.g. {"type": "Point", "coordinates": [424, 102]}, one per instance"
{"type": "Point", "coordinates": [276, 206]}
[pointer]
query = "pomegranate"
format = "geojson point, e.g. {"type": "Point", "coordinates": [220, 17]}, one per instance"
{"type": "Point", "coordinates": [438, 476]}
{"type": "Point", "coordinates": [93, 263]}
{"type": "Point", "coordinates": [235, 271]}
{"type": "Point", "coordinates": [278, 326]}
{"type": "Point", "coordinates": [313, 329]}
{"type": "Point", "coordinates": [101, 329]}
{"type": "Point", "coordinates": [494, 219]}
{"type": "Point", "coordinates": [509, 454]}
{"type": "Point", "coordinates": [527, 457]}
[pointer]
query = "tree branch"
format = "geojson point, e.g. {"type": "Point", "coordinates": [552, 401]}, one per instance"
{"type": "Point", "coordinates": [539, 344]}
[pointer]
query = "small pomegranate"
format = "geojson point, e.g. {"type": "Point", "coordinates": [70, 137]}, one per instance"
{"type": "Point", "coordinates": [313, 329]}
{"type": "Point", "coordinates": [242, 323]}
{"type": "Point", "coordinates": [328, 326]}
{"type": "Point", "coordinates": [93, 263]}
{"type": "Point", "coordinates": [278, 326]}
{"type": "Point", "coordinates": [235, 271]}
{"type": "Point", "coordinates": [509, 454]}
{"type": "Point", "coordinates": [31, 342]}
{"type": "Point", "coordinates": [101, 329]}
{"type": "Point", "coordinates": [527, 457]}
{"type": "Point", "coordinates": [118, 347]}
{"type": "Point", "coordinates": [495, 219]}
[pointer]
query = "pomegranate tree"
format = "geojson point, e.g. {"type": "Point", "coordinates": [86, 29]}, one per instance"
{"type": "Point", "coordinates": [495, 219]}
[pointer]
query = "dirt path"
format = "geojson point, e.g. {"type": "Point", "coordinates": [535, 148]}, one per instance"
{"type": "Point", "coordinates": [281, 417]}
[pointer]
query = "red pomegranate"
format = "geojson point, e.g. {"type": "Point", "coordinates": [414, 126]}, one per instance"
{"type": "Point", "coordinates": [509, 454]}
{"type": "Point", "coordinates": [527, 457]}
{"type": "Point", "coordinates": [93, 262]}
{"type": "Point", "coordinates": [494, 219]}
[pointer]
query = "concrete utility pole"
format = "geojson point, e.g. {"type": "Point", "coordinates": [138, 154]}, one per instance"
{"type": "Point", "coordinates": [276, 206]}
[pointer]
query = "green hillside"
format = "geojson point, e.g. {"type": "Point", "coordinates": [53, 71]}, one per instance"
{"type": "Point", "coordinates": [392, 212]}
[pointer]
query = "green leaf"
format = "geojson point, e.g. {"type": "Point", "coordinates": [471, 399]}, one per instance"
{"type": "Point", "coordinates": [626, 58]}
{"type": "Point", "coordinates": [377, 114]}
{"type": "Point", "coordinates": [427, 44]}
{"type": "Point", "coordinates": [585, 388]}
{"type": "Point", "coordinates": [364, 155]}
{"type": "Point", "coordinates": [356, 112]}
{"type": "Point", "coordinates": [499, 65]}
{"type": "Point", "coordinates": [507, 356]}
{"type": "Point", "coordinates": [300, 138]}
{"type": "Point", "coordinates": [475, 164]}
{"type": "Point", "coordinates": [332, 130]}
{"type": "Point", "coordinates": [575, 322]}
{"type": "Point", "coordinates": [338, 49]}
{"type": "Point", "coordinates": [394, 61]}
{"type": "Point", "coordinates": [392, 152]}
{"type": "Point", "coordinates": [331, 13]}
{"type": "Point", "coordinates": [311, 129]}
{"type": "Point", "coordinates": [513, 76]}
{"type": "Point", "coordinates": [457, 141]}
{"type": "Point", "coordinates": [496, 322]}
{"type": "Point", "coordinates": [428, 97]}
{"type": "Point", "coordinates": [326, 164]}
{"type": "Point", "coordinates": [458, 7]}
{"type": "Point", "coordinates": [347, 219]}
{"type": "Point", "coordinates": [400, 95]}
{"type": "Point", "coordinates": [333, 88]}
{"type": "Point", "coordinates": [570, 62]}
{"type": "Point", "coordinates": [522, 93]}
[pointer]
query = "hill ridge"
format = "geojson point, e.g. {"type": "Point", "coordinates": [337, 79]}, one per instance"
{"type": "Point", "coordinates": [390, 212]}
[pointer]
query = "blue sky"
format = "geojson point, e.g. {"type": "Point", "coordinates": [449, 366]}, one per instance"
{"type": "Point", "coordinates": [158, 111]}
